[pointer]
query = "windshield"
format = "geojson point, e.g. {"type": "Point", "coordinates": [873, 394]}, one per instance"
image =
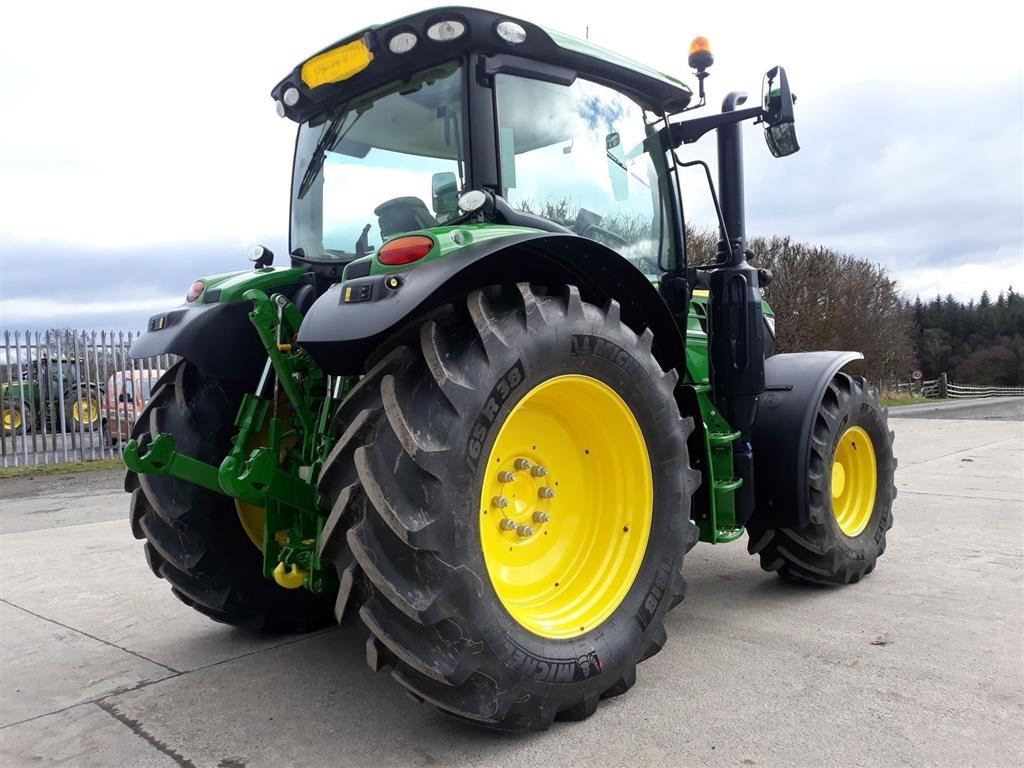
{"type": "Point", "coordinates": [575, 154]}
{"type": "Point", "coordinates": [389, 162]}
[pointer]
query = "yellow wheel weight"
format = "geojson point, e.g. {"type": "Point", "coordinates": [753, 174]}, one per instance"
{"type": "Point", "coordinates": [854, 481]}
{"type": "Point", "coordinates": [566, 505]}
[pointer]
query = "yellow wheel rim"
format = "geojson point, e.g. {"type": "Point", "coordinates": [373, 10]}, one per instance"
{"type": "Point", "coordinates": [11, 418]}
{"type": "Point", "coordinates": [251, 516]}
{"type": "Point", "coordinates": [854, 481]}
{"type": "Point", "coordinates": [565, 506]}
{"type": "Point", "coordinates": [86, 410]}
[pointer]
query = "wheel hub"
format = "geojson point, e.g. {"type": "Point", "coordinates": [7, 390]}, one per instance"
{"type": "Point", "coordinates": [523, 495]}
{"type": "Point", "coordinates": [566, 506]}
{"type": "Point", "coordinates": [854, 481]}
{"type": "Point", "coordinates": [838, 480]}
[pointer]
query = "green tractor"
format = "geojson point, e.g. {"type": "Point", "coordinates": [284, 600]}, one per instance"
{"type": "Point", "coordinates": [489, 406]}
{"type": "Point", "coordinates": [53, 393]}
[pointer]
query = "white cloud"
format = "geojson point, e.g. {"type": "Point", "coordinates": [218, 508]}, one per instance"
{"type": "Point", "coordinates": [32, 309]}
{"type": "Point", "coordinates": [967, 280]}
{"type": "Point", "coordinates": [128, 125]}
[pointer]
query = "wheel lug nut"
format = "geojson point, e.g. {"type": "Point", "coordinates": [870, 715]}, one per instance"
{"type": "Point", "coordinates": [524, 530]}
{"type": "Point", "coordinates": [506, 477]}
{"type": "Point", "coordinates": [546, 493]}
{"type": "Point", "coordinates": [506, 524]}
{"type": "Point", "coordinates": [541, 517]}
{"type": "Point", "coordinates": [539, 471]}
{"type": "Point", "coordinates": [499, 501]}
{"type": "Point", "coordinates": [522, 464]}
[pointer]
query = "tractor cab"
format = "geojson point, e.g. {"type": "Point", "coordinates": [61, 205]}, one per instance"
{"type": "Point", "coordinates": [397, 122]}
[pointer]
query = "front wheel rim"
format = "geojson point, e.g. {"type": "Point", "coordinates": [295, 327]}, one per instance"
{"type": "Point", "coordinates": [854, 481]}
{"type": "Point", "coordinates": [11, 418]}
{"type": "Point", "coordinates": [566, 506]}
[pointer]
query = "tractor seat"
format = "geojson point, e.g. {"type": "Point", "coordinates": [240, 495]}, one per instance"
{"type": "Point", "coordinates": [403, 214]}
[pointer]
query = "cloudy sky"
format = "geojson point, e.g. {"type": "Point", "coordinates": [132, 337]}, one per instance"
{"type": "Point", "coordinates": [139, 147]}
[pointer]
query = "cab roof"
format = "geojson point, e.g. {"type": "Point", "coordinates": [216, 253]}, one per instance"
{"type": "Point", "coordinates": [564, 56]}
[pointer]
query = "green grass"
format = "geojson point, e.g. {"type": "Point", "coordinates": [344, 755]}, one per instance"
{"type": "Point", "coordinates": [889, 402]}
{"type": "Point", "coordinates": [61, 469]}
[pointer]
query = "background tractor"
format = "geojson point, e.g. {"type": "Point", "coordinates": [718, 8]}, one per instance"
{"type": "Point", "coordinates": [489, 406]}
{"type": "Point", "coordinates": [57, 391]}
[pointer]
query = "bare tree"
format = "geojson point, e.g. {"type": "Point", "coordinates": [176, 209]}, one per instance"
{"type": "Point", "coordinates": [824, 299]}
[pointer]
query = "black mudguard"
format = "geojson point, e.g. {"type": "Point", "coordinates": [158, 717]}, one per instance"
{"type": "Point", "coordinates": [218, 338]}
{"type": "Point", "coordinates": [794, 386]}
{"type": "Point", "coordinates": [342, 335]}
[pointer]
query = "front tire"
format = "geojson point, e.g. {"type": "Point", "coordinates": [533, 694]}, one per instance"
{"type": "Point", "coordinates": [463, 624]}
{"type": "Point", "coordinates": [16, 418]}
{"type": "Point", "coordinates": [194, 537]}
{"type": "Point", "coordinates": [850, 493]}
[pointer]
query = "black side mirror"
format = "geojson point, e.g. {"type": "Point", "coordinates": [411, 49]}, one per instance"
{"type": "Point", "coordinates": [617, 168]}
{"type": "Point", "coordinates": [779, 120]}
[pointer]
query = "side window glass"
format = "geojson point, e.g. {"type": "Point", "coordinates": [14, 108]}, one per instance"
{"type": "Point", "coordinates": [575, 154]}
{"type": "Point", "coordinates": [377, 167]}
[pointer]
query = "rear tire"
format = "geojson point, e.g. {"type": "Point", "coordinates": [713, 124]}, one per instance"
{"type": "Point", "coordinates": [193, 536]}
{"type": "Point", "coordinates": [406, 530]}
{"type": "Point", "coordinates": [822, 552]}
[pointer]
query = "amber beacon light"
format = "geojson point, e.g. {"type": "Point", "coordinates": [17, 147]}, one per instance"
{"type": "Point", "coordinates": [700, 57]}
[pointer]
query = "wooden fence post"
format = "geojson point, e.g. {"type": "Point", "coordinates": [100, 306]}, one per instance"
{"type": "Point", "coordinates": [943, 385]}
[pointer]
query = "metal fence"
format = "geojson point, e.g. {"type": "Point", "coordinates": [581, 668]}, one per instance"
{"type": "Point", "coordinates": [944, 388]}
{"type": "Point", "coordinates": [71, 396]}
{"type": "Point", "coordinates": [967, 390]}
{"type": "Point", "coordinates": [910, 388]}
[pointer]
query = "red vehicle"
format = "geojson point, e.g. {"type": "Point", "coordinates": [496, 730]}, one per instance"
{"type": "Point", "coordinates": [126, 394]}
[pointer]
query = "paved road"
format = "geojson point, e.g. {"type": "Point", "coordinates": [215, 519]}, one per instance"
{"type": "Point", "coordinates": [992, 409]}
{"type": "Point", "coordinates": [919, 664]}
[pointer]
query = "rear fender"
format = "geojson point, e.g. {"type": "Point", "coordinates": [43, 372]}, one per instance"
{"type": "Point", "coordinates": [781, 439]}
{"type": "Point", "coordinates": [351, 320]}
{"type": "Point", "coordinates": [218, 338]}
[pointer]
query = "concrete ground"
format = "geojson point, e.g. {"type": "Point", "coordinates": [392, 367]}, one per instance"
{"type": "Point", "coordinates": [922, 663]}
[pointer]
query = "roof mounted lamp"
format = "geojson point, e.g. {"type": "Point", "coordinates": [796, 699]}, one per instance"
{"type": "Point", "coordinates": [700, 58]}
{"type": "Point", "coordinates": [261, 256]}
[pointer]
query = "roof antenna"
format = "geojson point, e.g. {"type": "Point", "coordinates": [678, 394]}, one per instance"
{"type": "Point", "coordinates": [588, 32]}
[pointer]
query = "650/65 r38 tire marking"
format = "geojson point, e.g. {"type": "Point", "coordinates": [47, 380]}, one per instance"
{"type": "Point", "coordinates": [421, 428]}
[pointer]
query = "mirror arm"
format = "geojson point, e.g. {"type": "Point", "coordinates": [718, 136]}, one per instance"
{"type": "Point", "coordinates": [689, 131]}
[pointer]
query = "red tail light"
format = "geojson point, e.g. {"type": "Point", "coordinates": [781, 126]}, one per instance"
{"type": "Point", "coordinates": [404, 250]}
{"type": "Point", "coordinates": [195, 290]}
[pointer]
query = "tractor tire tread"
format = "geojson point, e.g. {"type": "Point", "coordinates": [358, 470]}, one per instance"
{"type": "Point", "coordinates": [409, 597]}
{"type": "Point", "coordinates": [193, 538]}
